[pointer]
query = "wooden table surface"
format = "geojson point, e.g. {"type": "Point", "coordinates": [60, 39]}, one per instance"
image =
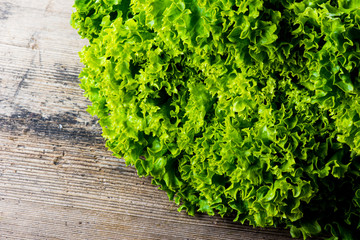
{"type": "Point", "coordinates": [57, 180]}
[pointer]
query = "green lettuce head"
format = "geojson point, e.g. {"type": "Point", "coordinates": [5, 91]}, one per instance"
{"type": "Point", "coordinates": [249, 108]}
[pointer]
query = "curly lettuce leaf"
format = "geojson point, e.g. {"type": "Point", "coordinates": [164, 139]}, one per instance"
{"type": "Point", "coordinates": [246, 107]}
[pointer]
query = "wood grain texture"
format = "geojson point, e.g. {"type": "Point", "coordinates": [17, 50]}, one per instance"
{"type": "Point", "coordinates": [57, 180]}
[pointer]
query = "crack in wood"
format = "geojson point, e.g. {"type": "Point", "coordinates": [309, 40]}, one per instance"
{"type": "Point", "coordinates": [25, 76]}
{"type": "Point", "coordinates": [33, 41]}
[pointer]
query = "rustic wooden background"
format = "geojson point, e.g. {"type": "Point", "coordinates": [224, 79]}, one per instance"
{"type": "Point", "coordinates": [57, 180]}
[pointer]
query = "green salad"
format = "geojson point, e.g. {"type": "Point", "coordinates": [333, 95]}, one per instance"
{"type": "Point", "coordinates": [243, 108]}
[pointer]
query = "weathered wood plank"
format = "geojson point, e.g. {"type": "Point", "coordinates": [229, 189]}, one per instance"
{"type": "Point", "coordinates": [44, 178]}
{"type": "Point", "coordinates": [57, 180]}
